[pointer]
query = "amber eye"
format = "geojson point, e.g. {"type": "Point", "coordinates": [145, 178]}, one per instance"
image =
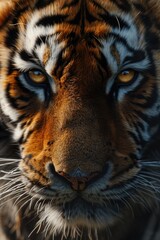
{"type": "Point", "coordinates": [126, 76]}
{"type": "Point", "coordinates": [37, 76]}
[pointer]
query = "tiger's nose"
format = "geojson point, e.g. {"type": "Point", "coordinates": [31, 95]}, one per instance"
{"type": "Point", "coordinates": [77, 179]}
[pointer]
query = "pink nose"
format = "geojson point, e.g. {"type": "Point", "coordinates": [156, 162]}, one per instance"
{"type": "Point", "coordinates": [78, 183]}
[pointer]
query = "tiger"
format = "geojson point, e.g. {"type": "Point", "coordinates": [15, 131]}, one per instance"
{"type": "Point", "coordinates": [79, 119]}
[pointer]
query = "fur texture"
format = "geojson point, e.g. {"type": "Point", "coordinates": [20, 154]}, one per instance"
{"type": "Point", "coordinates": [80, 113]}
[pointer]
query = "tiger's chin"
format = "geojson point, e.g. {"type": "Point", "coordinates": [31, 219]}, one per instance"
{"type": "Point", "coordinates": [72, 218]}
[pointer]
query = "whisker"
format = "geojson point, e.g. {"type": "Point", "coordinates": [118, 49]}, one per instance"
{"type": "Point", "coordinates": [10, 175]}
{"type": "Point", "coordinates": [140, 188]}
{"type": "Point", "coordinates": [10, 160]}
{"type": "Point", "coordinates": [9, 178]}
{"type": "Point", "coordinates": [21, 200]}
{"type": "Point", "coordinates": [20, 196]}
{"type": "Point", "coordinates": [150, 177]}
{"type": "Point", "coordinates": [38, 225]}
{"type": "Point", "coordinates": [7, 164]}
{"type": "Point", "coordinates": [151, 173]}
{"type": "Point", "coordinates": [9, 183]}
{"type": "Point", "coordinates": [10, 193]}
{"type": "Point", "coordinates": [14, 188]}
{"type": "Point", "coordinates": [34, 229]}
{"type": "Point", "coordinates": [150, 163]}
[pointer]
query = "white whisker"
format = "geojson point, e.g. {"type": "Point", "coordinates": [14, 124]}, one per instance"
{"type": "Point", "coordinates": [6, 164]}
{"type": "Point", "coordinates": [10, 160]}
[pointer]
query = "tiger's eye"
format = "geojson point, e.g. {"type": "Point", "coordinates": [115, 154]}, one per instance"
{"type": "Point", "coordinates": [37, 76]}
{"type": "Point", "coordinates": [126, 76]}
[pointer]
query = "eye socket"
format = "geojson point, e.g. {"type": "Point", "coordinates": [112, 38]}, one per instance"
{"type": "Point", "coordinates": [37, 76]}
{"type": "Point", "coordinates": [126, 76]}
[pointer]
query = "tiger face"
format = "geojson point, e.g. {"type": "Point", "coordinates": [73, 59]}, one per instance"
{"type": "Point", "coordinates": [80, 86]}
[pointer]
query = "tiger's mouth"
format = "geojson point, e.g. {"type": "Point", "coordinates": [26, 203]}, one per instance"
{"type": "Point", "coordinates": [107, 183]}
{"type": "Point", "coordinates": [99, 204]}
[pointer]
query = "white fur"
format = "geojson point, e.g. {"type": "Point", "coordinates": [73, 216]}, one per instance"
{"type": "Point", "coordinates": [25, 65]}
{"type": "Point", "coordinates": [7, 109]}
{"type": "Point", "coordinates": [33, 31]}
{"type": "Point", "coordinates": [18, 132]}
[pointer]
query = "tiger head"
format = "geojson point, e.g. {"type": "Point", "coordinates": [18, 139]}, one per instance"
{"type": "Point", "coordinates": [79, 83]}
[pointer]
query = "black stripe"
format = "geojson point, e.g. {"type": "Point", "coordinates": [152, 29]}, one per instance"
{"type": "Point", "coordinates": [137, 56]}
{"type": "Point", "coordinates": [142, 115]}
{"type": "Point", "coordinates": [21, 140]}
{"type": "Point", "coordinates": [11, 36]}
{"type": "Point", "coordinates": [42, 39]}
{"type": "Point", "coordinates": [11, 66]}
{"type": "Point", "coordinates": [13, 28]}
{"type": "Point", "coordinates": [36, 171]}
{"type": "Point", "coordinates": [114, 21]}
{"type": "Point", "coordinates": [77, 20]}
{"type": "Point", "coordinates": [139, 7]}
{"type": "Point", "coordinates": [72, 39]}
{"type": "Point", "coordinates": [43, 3]}
{"type": "Point", "coordinates": [51, 20]}
{"type": "Point", "coordinates": [26, 56]}
{"type": "Point", "coordinates": [71, 4]}
{"type": "Point", "coordinates": [122, 4]}
{"type": "Point", "coordinates": [140, 135]}
{"type": "Point", "coordinates": [24, 139]}
{"type": "Point", "coordinates": [121, 173]}
{"type": "Point", "coordinates": [23, 98]}
{"type": "Point", "coordinates": [97, 5]}
{"type": "Point", "coordinates": [29, 122]}
{"type": "Point", "coordinates": [23, 125]}
{"type": "Point", "coordinates": [134, 137]}
{"type": "Point", "coordinates": [140, 125]}
{"type": "Point", "coordinates": [21, 118]}
{"type": "Point", "coordinates": [149, 101]}
{"type": "Point", "coordinates": [12, 100]}
{"type": "Point", "coordinates": [119, 39]}
{"type": "Point", "coordinates": [89, 17]}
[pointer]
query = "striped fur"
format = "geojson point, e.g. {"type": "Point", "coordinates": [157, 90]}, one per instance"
{"type": "Point", "coordinates": [88, 165]}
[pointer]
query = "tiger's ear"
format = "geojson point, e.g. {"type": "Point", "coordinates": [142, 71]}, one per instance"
{"type": "Point", "coordinates": [6, 8]}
